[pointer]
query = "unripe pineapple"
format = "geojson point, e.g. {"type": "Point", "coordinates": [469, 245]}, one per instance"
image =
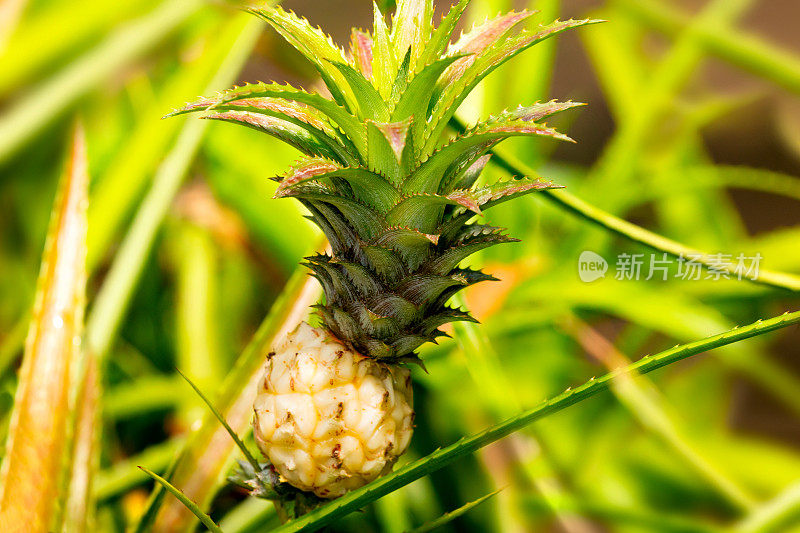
{"type": "Point", "coordinates": [397, 199]}
{"type": "Point", "coordinates": [328, 418]}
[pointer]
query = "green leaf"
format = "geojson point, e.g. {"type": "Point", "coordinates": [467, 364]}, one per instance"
{"type": "Point", "coordinates": [433, 322]}
{"type": "Point", "coordinates": [287, 132]}
{"type": "Point", "coordinates": [401, 80]}
{"type": "Point", "coordinates": [317, 47]}
{"type": "Point", "coordinates": [341, 117]}
{"type": "Point", "coordinates": [361, 52]}
{"type": "Point", "coordinates": [47, 100]}
{"type": "Point", "coordinates": [497, 193]}
{"type": "Point", "coordinates": [301, 115]}
{"type": "Point", "coordinates": [451, 257]}
{"type": "Point", "coordinates": [36, 449]}
{"type": "Point", "coordinates": [479, 38]}
{"type": "Point", "coordinates": [385, 262]}
{"type": "Point", "coordinates": [414, 246]}
{"type": "Point", "coordinates": [365, 220]}
{"type": "Point", "coordinates": [411, 26]}
{"type": "Point", "coordinates": [413, 471]}
{"type": "Point", "coordinates": [239, 444]}
{"type": "Point", "coordinates": [442, 34]}
{"type": "Point", "coordinates": [387, 148]}
{"type": "Point", "coordinates": [423, 289]}
{"type": "Point", "coordinates": [368, 187]}
{"type": "Point", "coordinates": [466, 177]}
{"type": "Point", "coordinates": [369, 101]}
{"type": "Point", "coordinates": [452, 515]}
{"type": "Point", "coordinates": [384, 60]}
{"type": "Point", "coordinates": [536, 112]}
{"type": "Point", "coordinates": [459, 82]}
{"type": "Point", "coordinates": [419, 211]}
{"type": "Point", "coordinates": [415, 100]}
{"type": "Point", "coordinates": [193, 507]}
{"type": "Point", "coordinates": [429, 176]}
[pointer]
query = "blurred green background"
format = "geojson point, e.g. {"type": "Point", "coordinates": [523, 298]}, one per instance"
{"type": "Point", "coordinates": [692, 130]}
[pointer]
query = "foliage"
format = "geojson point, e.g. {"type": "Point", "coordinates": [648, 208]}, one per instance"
{"type": "Point", "coordinates": [172, 201]}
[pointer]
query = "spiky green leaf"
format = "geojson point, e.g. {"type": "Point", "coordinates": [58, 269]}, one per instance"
{"type": "Point", "coordinates": [457, 85]}
{"type": "Point", "coordinates": [411, 26]}
{"type": "Point", "coordinates": [349, 124]}
{"type": "Point", "coordinates": [315, 45]}
{"type": "Point", "coordinates": [384, 61]}
{"type": "Point", "coordinates": [361, 52]}
{"type": "Point", "coordinates": [442, 34]}
{"type": "Point", "coordinates": [369, 101]}
{"type": "Point", "coordinates": [429, 176]}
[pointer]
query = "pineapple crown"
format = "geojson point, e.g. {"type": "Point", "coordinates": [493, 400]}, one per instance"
{"type": "Point", "coordinates": [394, 195]}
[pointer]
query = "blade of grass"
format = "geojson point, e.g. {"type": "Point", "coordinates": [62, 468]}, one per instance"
{"type": "Point", "coordinates": [12, 344]}
{"type": "Point", "coordinates": [623, 228]}
{"type": "Point", "coordinates": [442, 457]}
{"type": "Point", "coordinates": [32, 471]}
{"type": "Point", "coordinates": [204, 518]}
{"type": "Point", "coordinates": [10, 13]}
{"type": "Point", "coordinates": [735, 46]}
{"type": "Point", "coordinates": [55, 32]}
{"type": "Point", "coordinates": [50, 99]}
{"type": "Point", "coordinates": [210, 445]}
{"type": "Point", "coordinates": [112, 300]}
{"type": "Point", "coordinates": [199, 352]}
{"type": "Point", "coordinates": [619, 65]}
{"type": "Point", "coordinates": [775, 515]}
{"type": "Point", "coordinates": [124, 475]}
{"type": "Point", "coordinates": [80, 504]}
{"type": "Point", "coordinates": [251, 515]}
{"type": "Point", "coordinates": [619, 161]}
{"type": "Point", "coordinates": [452, 515]}
{"type": "Point", "coordinates": [123, 183]}
{"type": "Point", "coordinates": [641, 398]}
{"type": "Point", "coordinates": [146, 394]}
{"type": "Point", "coordinates": [642, 519]}
{"type": "Point", "coordinates": [221, 419]}
{"type": "Point", "coordinates": [483, 364]}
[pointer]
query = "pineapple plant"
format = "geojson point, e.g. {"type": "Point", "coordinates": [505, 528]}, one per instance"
{"type": "Point", "coordinates": [399, 198]}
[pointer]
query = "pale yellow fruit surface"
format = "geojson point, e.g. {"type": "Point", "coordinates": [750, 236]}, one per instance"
{"type": "Point", "coordinates": [328, 419]}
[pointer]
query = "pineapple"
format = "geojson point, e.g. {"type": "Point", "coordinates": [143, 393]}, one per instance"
{"type": "Point", "coordinates": [398, 198]}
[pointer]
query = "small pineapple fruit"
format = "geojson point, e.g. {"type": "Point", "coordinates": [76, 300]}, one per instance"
{"type": "Point", "coordinates": [397, 197]}
{"type": "Point", "coordinates": [328, 418]}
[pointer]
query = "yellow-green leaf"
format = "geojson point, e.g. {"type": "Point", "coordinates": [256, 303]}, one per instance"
{"type": "Point", "coordinates": [32, 469]}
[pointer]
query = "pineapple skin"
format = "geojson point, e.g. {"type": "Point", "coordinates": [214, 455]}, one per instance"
{"type": "Point", "coordinates": [329, 419]}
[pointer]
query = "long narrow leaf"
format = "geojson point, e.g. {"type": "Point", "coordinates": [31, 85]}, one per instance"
{"type": "Point", "coordinates": [204, 518]}
{"type": "Point", "coordinates": [221, 419]}
{"type": "Point", "coordinates": [78, 514]}
{"type": "Point", "coordinates": [112, 300]}
{"type": "Point", "coordinates": [452, 515]}
{"type": "Point", "coordinates": [441, 458]}
{"type": "Point", "coordinates": [735, 46]}
{"type": "Point", "coordinates": [51, 98]}
{"type": "Point", "coordinates": [210, 445]}
{"type": "Point", "coordinates": [32, 468]}
{"type": "Point", "coordinates": [633, 232]}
